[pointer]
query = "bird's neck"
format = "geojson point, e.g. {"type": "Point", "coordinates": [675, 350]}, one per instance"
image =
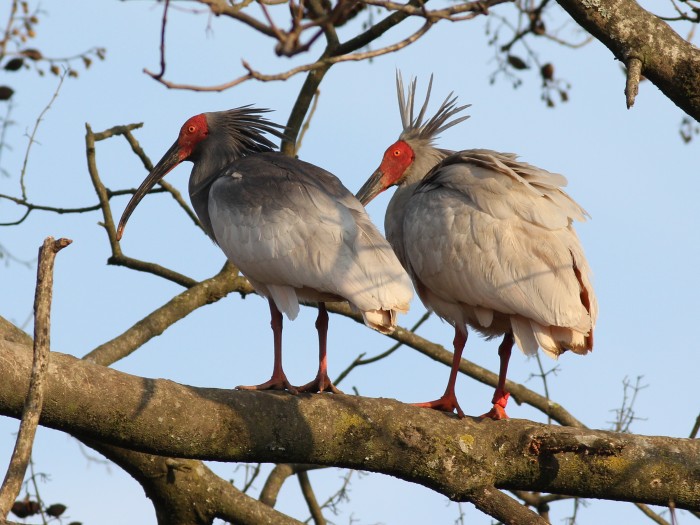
{"type": "Point", "coordinates": [205, 171]}
{"type": "Point", "coordinates": [426, 158]}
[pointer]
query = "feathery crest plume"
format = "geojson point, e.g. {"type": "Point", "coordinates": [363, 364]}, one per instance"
{"type": "Point", "coordinates": [414, 128]}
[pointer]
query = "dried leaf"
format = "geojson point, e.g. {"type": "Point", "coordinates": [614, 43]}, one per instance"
{"type": "Point", "coordinates": [547, 71]}
{"type": "Point", "coordinates": [517, 62]}
{"type": "Point", "coordinates": [14, 64]}
{"type": "Point", "coordinates": [6, 92]}
{"type": "Point", "coordinates": [56, 510]}
{"type": "Point", "coordinates": [32, 54]}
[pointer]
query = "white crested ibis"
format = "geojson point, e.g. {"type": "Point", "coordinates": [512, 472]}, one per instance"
{"type": "Point", "coordinates": [290, 227]}
{"type": "Point", "coordinates": [488, 242]}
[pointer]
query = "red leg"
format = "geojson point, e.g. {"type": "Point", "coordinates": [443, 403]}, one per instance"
{"type": "Point", "coordinates": [278, 381]}
{"type": "Point", "coordinates": [500, 396]}
{"type": "Point", "coordinates": [448, 401]}
{"type": "Point", "coordinates": [322, 382]}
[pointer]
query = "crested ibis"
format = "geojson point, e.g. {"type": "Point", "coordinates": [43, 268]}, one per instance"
{"type": "Point", "coordinates": [487, 241]}
{"type": "Point", "coordinates": [290, 227]}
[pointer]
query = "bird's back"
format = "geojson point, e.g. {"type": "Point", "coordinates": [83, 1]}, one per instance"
{"type": "Point", "coordinates": [488, 242]}
{"type": "Point", "coordinates": [298, 234]}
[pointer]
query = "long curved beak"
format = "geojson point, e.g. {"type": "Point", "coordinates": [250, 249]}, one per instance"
{"type": "Point", "coordinates": [371, 188]}
{"type": "Point", "coordinates": [167, 163]}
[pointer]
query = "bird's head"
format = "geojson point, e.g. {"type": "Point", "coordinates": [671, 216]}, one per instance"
{"type": "Point", "coordinates": [193, 132]}
{"type": "Point", "coordinates": [392, 171]}
{"type": "Point", "coordinates": [212, 139]}
{"type": "Point", "coordinates": [414, 154]}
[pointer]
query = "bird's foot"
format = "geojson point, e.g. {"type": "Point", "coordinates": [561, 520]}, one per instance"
{"type": "Point", "coordinates": [496, 413]}
{"type": "Point", "coordinates": [278, 382]}
{"type": "Point", "coordinates": [500, 400]}
{"type": "Point", "coordinates": [321, 383]}
{"type": "Point", "coordinates": [447, 403]}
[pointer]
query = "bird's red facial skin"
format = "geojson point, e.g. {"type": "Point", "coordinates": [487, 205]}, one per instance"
{"type": "Point", "coordinates": [192, 133]}
{"type": "Point", "coordinates": [397, 158]}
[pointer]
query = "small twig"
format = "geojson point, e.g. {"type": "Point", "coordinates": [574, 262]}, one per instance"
{"type": "Point", "coordinates": [310, 498]}
{"type": "Point", "coordinates": [543, 375]}
{"type": "Point", "coordinates": [341, 494]}
{"type": "Point", "coordinates": [35, 396]}
{"type": "Point", "coordinates": [162, 40]}
{"type": "Point", "coordinates": [360, 361]}
{"type": "Point", "coordinates": [634, 71]}
{"type": "Point", "coordinates": [495, 503]}
{"type": "Point", "coordinates": [155, 323]}
{"type": "Point", "coordinates": [249, 481]}
{"type": "Point", "coordinates": [323, 62]}
{"type": "Point", "coordinates": [32, 478]}
{"type": "Point", "coordinates": [8, 28]}
{"type": "Point", "coordinates": [33, 134]}
{"type": "Point", "coordinates": [474, 8]}
{"type": "Point", "coordinates": [307, 122]}
{"type": "Point", "coordinates": [653, 516]}
{"type": "Point", "coordinates": [696, 428]}
{"type": "Point", "coordinates": [6, 123]}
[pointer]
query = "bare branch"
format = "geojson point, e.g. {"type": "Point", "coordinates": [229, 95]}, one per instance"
{"type": "Point", "coordinates": [360, 361]}
{"type": "Point", "coordinates": [274, 483]}
{"type": "Point", "coordinates": [634, 70]}
{"type": "Point", "coordinates": [310, 498]}
{"type": "Point", "coordinates": [32, 136]}
{"type": "Point", "coordinates": [495, 503]}
{"type": "Point", "coordinates": [653, 516]}
{"type": "Point", "coordinates": [155, 323]}
{"type": "Point", "coordinates": [473, 8]}
{"type": "Point", "coordinates": [163, 24]}
{"type": "Point", "coordinates": [35, 396]}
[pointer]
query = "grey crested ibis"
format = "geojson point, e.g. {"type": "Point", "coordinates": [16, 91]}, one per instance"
{"type": "Point", "coordinates": [290, 227]}
{"type": "Point", "coordinates": [487, 241]}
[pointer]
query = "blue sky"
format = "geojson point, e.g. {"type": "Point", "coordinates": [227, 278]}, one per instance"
{"type": "Point", "coordinates": [628, 168]}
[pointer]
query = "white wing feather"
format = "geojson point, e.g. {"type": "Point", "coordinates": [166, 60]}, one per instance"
{"type": "Point", "coordinates": [307, 241]}
{"type": "Point", "coordinates": [494, 235]}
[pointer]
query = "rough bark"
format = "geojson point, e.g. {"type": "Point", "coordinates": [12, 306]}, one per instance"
{"type": "Point", "coordinates": [458, 458]}
{"type": "Point", "coordinates": [630, 32]}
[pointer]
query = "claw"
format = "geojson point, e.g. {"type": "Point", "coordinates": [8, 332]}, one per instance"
{"type": "Point", "coordinates": [447, 403]}
{"type": "Point", "coordinates": [321, 383]}
{"type": "Point", "coordinates": [275, 383]}
{"type": "Point", "coordinates": [496, 413]}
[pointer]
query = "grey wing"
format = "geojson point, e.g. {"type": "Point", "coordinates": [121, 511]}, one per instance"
{"type": "Point", "coordinates": [489, 238]}
{"type": "Point", "coordinates": [288, 224]}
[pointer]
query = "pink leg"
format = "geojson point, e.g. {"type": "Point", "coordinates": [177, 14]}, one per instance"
{"type": "Point", "coordinates": [448, 401]}
{"type": "Point", "coordinates": [322, 382]}
{"type": "Point", "coordinates": [278, 381]}
{"type": "Point", "coordinates": [500, 397]}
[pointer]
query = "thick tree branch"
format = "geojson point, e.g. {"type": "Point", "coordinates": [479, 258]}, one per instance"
{"type": "Point", "coordinates": [187, 492]}
{"type": "Point", "coordinates": [632, 33]}
{"type": "Point", "coordinates": [458, 458]}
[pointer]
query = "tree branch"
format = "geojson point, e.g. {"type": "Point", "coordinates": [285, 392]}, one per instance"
{"type": "Point", "coordinates": [457, 458]}
{"type": "Point", "coordinates": [35, 394]}
{"type": "Point", "coordinates": [155, 323]}
{"type": "Point", "coordinates": [630, 32]}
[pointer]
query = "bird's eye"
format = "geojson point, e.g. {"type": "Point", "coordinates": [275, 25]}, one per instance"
{"type": "Point", "coordinates": [397, 152]}
{"type": "Point", "coordinates": [192, 128]}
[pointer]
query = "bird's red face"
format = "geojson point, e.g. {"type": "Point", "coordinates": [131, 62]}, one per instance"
{"type": "Point", "coordinates": [194, 131]}
{"type": "Point", "coordinates": [397, 158]}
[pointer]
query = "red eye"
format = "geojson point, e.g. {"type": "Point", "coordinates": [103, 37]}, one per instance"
{"type": "Point", "coordinates": [191, 128]}
{"type": "Point", "coordinates": [397, 152]}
